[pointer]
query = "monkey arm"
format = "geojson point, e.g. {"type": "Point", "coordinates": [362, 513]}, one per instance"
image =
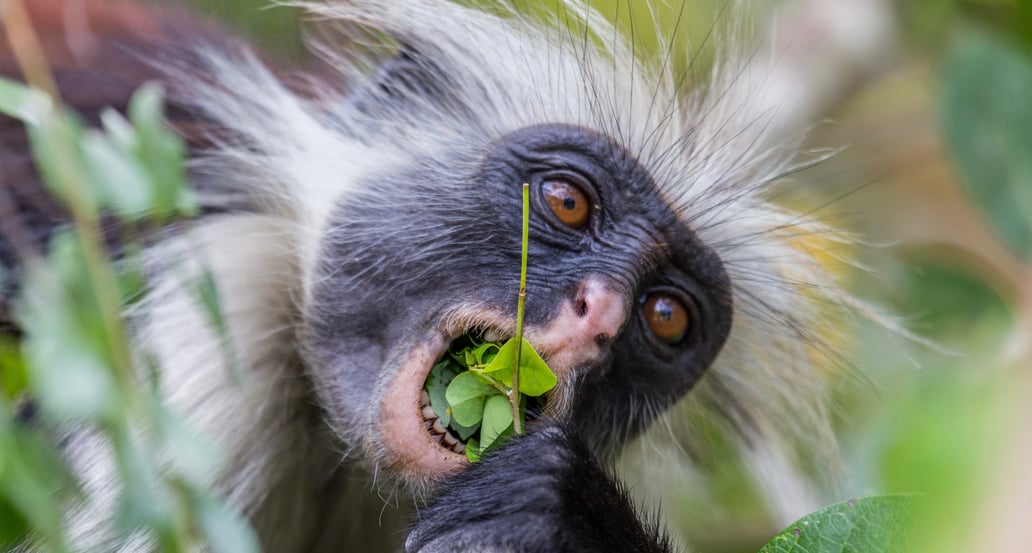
{"type": "Point", "coordinates": [541, 492]}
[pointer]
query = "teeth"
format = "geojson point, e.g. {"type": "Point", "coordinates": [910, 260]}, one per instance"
{"type": "Point", "coordinates": [492, 335]}
{"type": "Point", "coordinates": [437, 431]}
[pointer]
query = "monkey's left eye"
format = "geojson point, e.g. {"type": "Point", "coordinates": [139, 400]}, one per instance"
{"type": "Point", "coordinates": [567, 201]}
{"type": "Point", "coordinates": [666, 317]}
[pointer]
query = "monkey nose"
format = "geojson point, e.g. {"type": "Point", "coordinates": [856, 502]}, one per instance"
{"type": "Point", "coordinates": [600, 312]}
{"type": "Point", "coordinates": [584, 327]}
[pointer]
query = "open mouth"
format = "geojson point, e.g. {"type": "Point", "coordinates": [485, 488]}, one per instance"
{"type": "Point", "coordinates": [475, 348]}
{"type": "Point", "coordinates": [415, 438]}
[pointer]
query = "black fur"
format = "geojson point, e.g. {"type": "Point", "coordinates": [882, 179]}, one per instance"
{"type": "Point", "coordinates": [543, 492]}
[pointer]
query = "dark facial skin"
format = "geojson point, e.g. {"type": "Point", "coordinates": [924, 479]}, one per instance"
{"type": "Point", "coordinates": [413, 247]}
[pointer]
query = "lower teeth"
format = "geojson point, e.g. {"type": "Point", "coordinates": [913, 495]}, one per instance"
{"type": "Point", "coordinates": [437, 431]}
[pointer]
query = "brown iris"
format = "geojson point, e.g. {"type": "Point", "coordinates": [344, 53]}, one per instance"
{"type": "Point", "coordinates": [667, 317]}
{"type": "Point", "coordinates": [567, 201]}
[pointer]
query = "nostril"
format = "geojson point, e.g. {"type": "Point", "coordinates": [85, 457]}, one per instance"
{"type": "Point", "coordinates": [581, 307]}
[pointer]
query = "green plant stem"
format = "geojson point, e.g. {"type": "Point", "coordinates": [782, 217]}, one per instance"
{"type": "Point", "coordinates": [514, 394]}
{"type": "Point", "coordinates": [491, 380]}
{"type": "Point", "coordinates": [27, 49]}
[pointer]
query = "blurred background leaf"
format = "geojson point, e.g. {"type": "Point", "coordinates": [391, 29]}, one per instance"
{"type": "Point", "coordinates": [868, 524]}
{"type": "Point", "coordinates": [987, 123]}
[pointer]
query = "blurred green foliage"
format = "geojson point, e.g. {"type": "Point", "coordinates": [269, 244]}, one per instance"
{"type": "Point", "coordinates": [932, 24]}
{"type": "Point", "coordinates": [276, 27]}
{"type": "Point", "coordinates": [987, 122]}
{"type": "Point", "coordinates": [74, 356]}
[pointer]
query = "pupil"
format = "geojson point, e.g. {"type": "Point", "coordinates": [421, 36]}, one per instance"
{"type": "Point", "coordinates": [666, 313]}
{"type": "Point", "coordinates": [569, 203]}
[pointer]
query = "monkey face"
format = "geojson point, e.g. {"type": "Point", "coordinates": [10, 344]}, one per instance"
{"type": "Point", "coordinates": [623, 301]}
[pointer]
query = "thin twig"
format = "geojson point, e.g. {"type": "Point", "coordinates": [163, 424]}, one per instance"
{"type": "Point", "coordinates": [514, 395]}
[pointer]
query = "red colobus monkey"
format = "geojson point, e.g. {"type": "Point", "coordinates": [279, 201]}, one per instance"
{"type": "Point", "coordinates": [361, 218]}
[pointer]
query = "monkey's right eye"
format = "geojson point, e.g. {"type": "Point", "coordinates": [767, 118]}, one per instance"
{"type": "Point", "coordinates": [567, 201]}
{"type": "Point", "coordinates": [666, 317]}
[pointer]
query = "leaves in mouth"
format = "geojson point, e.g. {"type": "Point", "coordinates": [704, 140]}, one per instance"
{"type": "Point", "coordinates": [467, 395]}
{"type": "Point", "coordinates": [469, 389]}
{"type": "Point", "coordinates": [440, 375]}
{"type": "Point", "coordinates": [536, 377]}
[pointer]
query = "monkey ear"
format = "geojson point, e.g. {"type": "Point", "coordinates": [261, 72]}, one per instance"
{"type": "Point", "coordinates": [402, 84]}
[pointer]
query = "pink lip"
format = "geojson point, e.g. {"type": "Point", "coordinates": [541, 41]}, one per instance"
{"type": "Point", "coordinates": [410, 449]}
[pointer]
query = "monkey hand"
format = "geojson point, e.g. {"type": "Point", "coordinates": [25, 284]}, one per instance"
{"type": "Point", "coordinates": [542, 492]}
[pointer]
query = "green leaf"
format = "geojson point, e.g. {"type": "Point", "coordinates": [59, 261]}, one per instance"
{"type": "Point", "coordinates": [23, 103]}
{"type": "Point", "coordinates": [161, 151]}
{"type": "Point", "coordinates": [145, 501]}
{"type": "Point", "coordinates": [473, 451]}
{"type": "Point", "coordinates": [119, 181]}
{"type": "Point", "coordinates": [437, 384]}
{"type": "Point", "coordinates": [535, 376]}
{"type": "Point", "coordinates": [132, 274]}
{"type": "Point", "coordinates": [30, 472]}
{"type": "Point", "coordinates": [224, 530]}
{"type": "Point", "coordinates": [65, 346]}
{"type": "Point", "coordinates": [55, 147]}
{"type": "Point", "coordinates": [206, 291]}
{"type": "Point", "coordinates": [464, 432]}
{"type": "Point", "coordinates": [458, 356]}
{"type": "Point", "coordinates": [14, 378]}
{"type": "Point", "coordinates": [874, 524]}
{"type": "Point", "coordinates": [500, 368]}
{"type": "Point", "coordinates": [466, 395]}
{"type": "Point", "coordinates": [192, 456]}
{"type": "Point", "coordinates": [497, 421]}
{"type": "Point", "coordinates": [13, 526]}
{"type": "Point", "coordinates": [485, 353]}
{"type": "Point", "coordinates": [987, 122]}
{"type": "Point", "coordinates": [119, 130]}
